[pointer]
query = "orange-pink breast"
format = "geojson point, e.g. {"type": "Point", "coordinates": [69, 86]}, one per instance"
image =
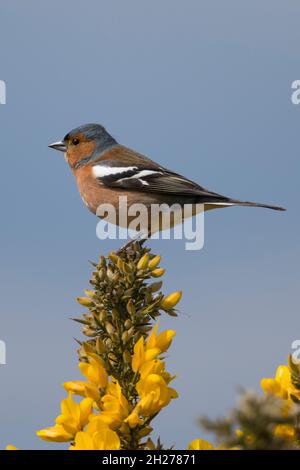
{"type": "Point", "coordinates": [94, 193]}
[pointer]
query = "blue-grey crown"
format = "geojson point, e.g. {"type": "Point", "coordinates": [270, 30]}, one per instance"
{"type": "Point", "coordinates": [92, 132]}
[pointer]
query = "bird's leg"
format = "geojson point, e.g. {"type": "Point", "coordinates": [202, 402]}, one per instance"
{"type": "Point", "coordinates": [127, 245]}
{"type": "Point", "coordinates": [140, 236]}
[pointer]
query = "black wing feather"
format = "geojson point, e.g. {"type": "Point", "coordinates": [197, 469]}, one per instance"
{"type": "Point", "coordinates": [161, 180]}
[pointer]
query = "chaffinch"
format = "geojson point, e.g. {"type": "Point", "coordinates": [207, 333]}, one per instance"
{"type": "Point", "coordinates": [106, 170]}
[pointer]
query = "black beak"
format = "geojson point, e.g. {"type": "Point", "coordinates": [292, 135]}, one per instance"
{"type": "Point", "coordinates": [61, 146]}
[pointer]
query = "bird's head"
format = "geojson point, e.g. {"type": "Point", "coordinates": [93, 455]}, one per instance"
{"type": "Point", "coordinates": [84, 144]}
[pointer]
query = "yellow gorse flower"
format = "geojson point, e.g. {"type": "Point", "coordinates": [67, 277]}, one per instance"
{"type": "Point", "coordinates": [162, 341]}
{"type": "Point", "coordinates": [153, 347]}
{"type": "Point", "coordinates": [113, 405]}
{"type": "Point", "coordinates": [96, 375]}
{"type": "Point", "coordinates": [84, 301]}
{"type": "Point", "coordinates": [97, 436]}
{"type": "Point", "coordinates": [171, 300]}
{"type": "Point", "coordinates": [154, 262]}
{"type": "Point", "coordinates": [74, 416]}
{"type": "Point", "coordinates": [94, 370]}
{"type": "Point", "coordinates": [152, 386]}
{"type": "Point", "coordinates": [158, 272]}
{"type": "Point", "coordinates": [286, 431]}
{"type": "Point", "coordinates": [281, 386]}
{"type": "Point", "coordinates": [200, 444]}
{"type": "Point", "coordinates": [156, 366]}
{"type": "Point", "coordinates": [141, 354]}
{"type": "Point", "coordinates": [143, 263]}
{"type": "Point", "coordinates": [154, 394]}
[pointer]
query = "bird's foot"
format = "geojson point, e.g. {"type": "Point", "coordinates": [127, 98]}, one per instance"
{"type": "Point", "coordinates": [124, 247]}
{"type": "Point", "coordinates": [140, 238]}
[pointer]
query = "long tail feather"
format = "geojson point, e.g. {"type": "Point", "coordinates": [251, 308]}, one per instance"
{"type": "Point", "coordinates": [227, 202]}
{"type": "Point", "coordinates": [257, 204]}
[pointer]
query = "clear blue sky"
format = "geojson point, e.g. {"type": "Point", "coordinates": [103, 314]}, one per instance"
{"type": "Point", "coordinates": [203, 87]}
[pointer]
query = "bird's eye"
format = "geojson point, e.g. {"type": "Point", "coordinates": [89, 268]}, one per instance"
{"type": "Point", "coordinates": [75, 141]}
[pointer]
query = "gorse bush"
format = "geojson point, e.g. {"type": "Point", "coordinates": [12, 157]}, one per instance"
{"type": "Point", "coordinates": [125, 379]}
{"type": "Point", "coordinates": [125, 384]}
{"type": "Point", "coordinates": [268, 422]}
